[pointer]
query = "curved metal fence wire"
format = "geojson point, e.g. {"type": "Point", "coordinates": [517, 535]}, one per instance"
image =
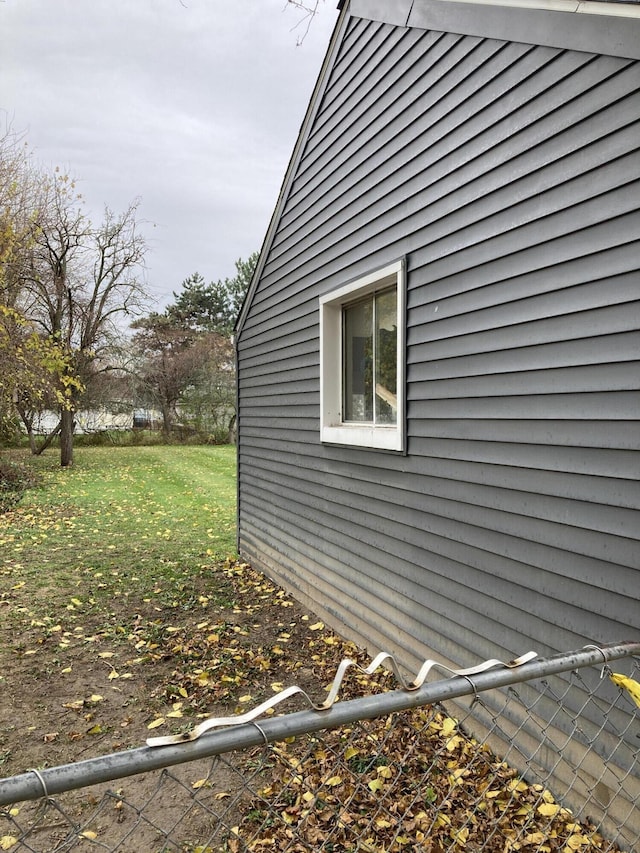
{"type": "Point", "coordinates": [539, 759]}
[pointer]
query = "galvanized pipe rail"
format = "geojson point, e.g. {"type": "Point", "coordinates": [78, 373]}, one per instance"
{"type": "Point", "coordinates": [34, 785]}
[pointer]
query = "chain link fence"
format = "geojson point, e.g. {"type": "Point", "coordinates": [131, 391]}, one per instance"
{"type": "Point", "coordinates": [540, 758]}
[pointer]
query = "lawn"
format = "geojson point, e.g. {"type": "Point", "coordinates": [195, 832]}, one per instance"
{"type": "Point", "coordinates": [93, 564]}
{"type": "Point", "coordinates": [120, 518]}
{"type": "Point", "coordinates": [118, 580]}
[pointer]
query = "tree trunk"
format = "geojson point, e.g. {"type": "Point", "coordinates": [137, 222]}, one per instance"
{"type": "Point", "coordinates": [166, 419]}
{"type": "Point", "coordinates": [40, 450]}
{"type": "Point", "coordinates": [27, 420]}
{"type": "Point", "coordinates": [66, 438]}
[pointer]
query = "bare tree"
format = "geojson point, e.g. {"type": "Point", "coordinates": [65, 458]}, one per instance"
{"type": "Point", "coordinates": [80, 281]}
{"type": "Point", "coordinates": [309, 9]}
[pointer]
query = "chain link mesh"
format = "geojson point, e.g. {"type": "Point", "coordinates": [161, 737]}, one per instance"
{"type": "Point", "coordinates": [551, 765]}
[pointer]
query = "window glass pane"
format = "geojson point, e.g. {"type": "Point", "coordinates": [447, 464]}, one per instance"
{"type": "Point", "coordinates": [386, 322]}
{"type": "Point", "coordinates": [358, 361]}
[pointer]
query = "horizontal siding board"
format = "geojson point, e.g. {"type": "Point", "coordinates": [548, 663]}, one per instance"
{"type": "Point", "coordinates": [301, 427]}
{"type": "Point", "coordinates": [599, 350]}
{"type": "Point", "coordinates": [597, 433]}
{"type": "Point", "coordinates": [623, 405]}
{"type": "Point", "coordinates": [498, 485]}
{"type": "Point", "coordinates": [604, 262]}
{"type": "Point", "coordinates": [609, 320]}
{"type": "Point", "coordinates": [283, 373]}
{"type": "Point", "coordinates": [457, 587]}
{"type": "Point", "coordinates": [534, 516]}
{"type": "Point", "coordinates": [272, 398]}
{"type": "Point", "coordinates": [620, 376]}
{"type": "Point", "coordinates": [489, 311]}
{"type": "Point", "coordinates": [615, 464]}
{"type": "Point", "coordinates": [440, 441]}
{"type": "Point", "coordinates": [287, 346]}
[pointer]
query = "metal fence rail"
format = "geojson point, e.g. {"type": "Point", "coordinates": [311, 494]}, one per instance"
{"type": "Point", "coordinates": [541, 758]}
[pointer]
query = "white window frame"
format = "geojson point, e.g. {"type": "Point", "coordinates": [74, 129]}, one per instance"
{"type": "Point", "coordinates": [333, 430]}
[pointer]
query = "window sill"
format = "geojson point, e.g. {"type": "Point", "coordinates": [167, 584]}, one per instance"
{"type": "Point", "coordinates": [378, 437]}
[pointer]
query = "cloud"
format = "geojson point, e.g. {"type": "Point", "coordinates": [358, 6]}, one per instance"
{"type": "Point", "coordinates": [192, 105]}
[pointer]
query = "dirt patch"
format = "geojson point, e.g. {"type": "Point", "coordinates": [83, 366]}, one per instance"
{"type": "Point", "coordinates": [87, 684]}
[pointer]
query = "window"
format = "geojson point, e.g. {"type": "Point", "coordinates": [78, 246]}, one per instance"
{"type": "Point", "coordinates": [362, 361]}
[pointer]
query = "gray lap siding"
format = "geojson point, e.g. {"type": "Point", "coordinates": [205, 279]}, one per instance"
{"type": "Point", "coordinates": [508, 176]}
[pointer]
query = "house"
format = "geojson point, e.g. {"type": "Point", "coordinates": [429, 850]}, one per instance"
{"type": "Point", "coordinates": [438, 357]}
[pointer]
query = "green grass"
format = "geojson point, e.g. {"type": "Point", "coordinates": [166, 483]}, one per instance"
{"type": "Point", "coordinates": [122, 518]}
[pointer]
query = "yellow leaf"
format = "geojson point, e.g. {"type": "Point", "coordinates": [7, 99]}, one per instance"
{"type": "Point", "coordinates": [385, 772]}
{"type": "Point", "coordinates": [183, 693]}
{"type": "Point", "coordinates": [631, 686]}
{"type": "Point", "coordinates": [244, 699]}
{"type": "Point", "coordinates": [106, 654]}
{"type": "Point", "coordinates": [448, 726]}
{"type": "Point", "coordinates": [333, 781]}
{"type": "Point", "coordinates": [7, 842]}
{"type": "Point", "coordinates": [175, 714]}
{"type": "Point", "coordinates": [96, 697]}
{"type": "Point", "coordinates": [375, 785]}
{"type": "Point", "coordinates": [381, 823]}
{"type": "Point", "coordinates": [88, 834]}
{"type": "Point", "coordinates": [548, 809]}
{"type": "Point", "coordinates": [156, 723]}
{"type": "Point", "coordinates": [351, 752]}
{"type": "Point", "coordinates": [221, 795]}
{"type": "Point", "coordinates": [113, 674]}
{"type": "Point", "coordinates": [65, 671]}
{"type": "Point", "coordinates": [318, 626]}
{"type": "Point", "coordinates": [96, 730]}
{"type": "Point", "coordinates": [575, 842]}
{"type": "Point", "coordinates": [460, 836]}
{"type": "Point", "coordinates": [200, 784]}
{"type": "Point", "coordinates": [534, 838]}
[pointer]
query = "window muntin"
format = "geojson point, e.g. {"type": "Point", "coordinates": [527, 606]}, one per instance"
{"type": "Point", "coordinates": [362, 361]}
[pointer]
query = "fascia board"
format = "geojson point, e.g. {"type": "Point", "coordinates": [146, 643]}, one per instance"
{"type": "Point", "coordinates": [611, 29]}
{"type": "Point", "coordinates": [394, 12]}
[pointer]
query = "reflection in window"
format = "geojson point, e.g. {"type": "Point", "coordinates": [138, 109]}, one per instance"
{"type": "Point", "coordinates": [370, 328]}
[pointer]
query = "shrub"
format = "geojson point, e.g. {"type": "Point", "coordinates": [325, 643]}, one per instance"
{"type": "Point", "coordinates": [15, 479]}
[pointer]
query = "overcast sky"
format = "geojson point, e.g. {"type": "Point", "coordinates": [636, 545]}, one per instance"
{"type": "Point", "coordinates": [191, 105]}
